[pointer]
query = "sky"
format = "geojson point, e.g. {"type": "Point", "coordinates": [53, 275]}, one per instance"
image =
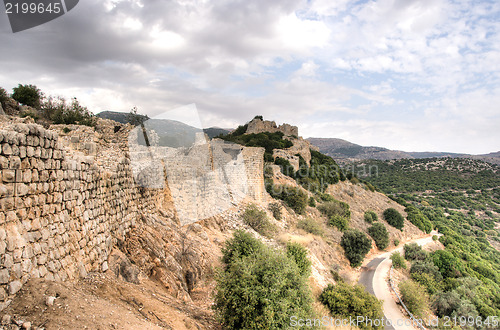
{"type": "Point", "coordinates": [403, 74]}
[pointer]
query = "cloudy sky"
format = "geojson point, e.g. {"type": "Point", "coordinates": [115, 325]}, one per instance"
{"type": "Point", "coordinates": [403, 74]}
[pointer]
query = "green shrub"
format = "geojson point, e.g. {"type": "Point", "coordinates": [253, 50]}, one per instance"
{"type": "Point", "coordinates": [356, 245]}
{"type": "Point", "coordinates": [412, 251]}
{"type": "Point", "coordinates": [394, 218]}
{"type": "Point", "coordinates": [242, 244]}
{"type": "Point", "coordinates": [398, 261]}
{"type": "Point", "coordinates": [371, 217]}
{"type": "Point", "coordinates": [416, 217]}
{"type": "Point", "coordinates": [428, 281]}
{"type": "Point", "coordinates": [294, 197]}
{"type": "Point", "coordinates": [448, 264]}
{"type": "Point", "coordinates": [335, 207]}
{"type": "Point", "coordinates": [285, 167]}
{"type": "Point", "coordinates": [275, 208]}
{"type": "Point", "coordinates": [312, 202]}
{"type": "Point", "coordinates": [71, 114]}
{"type": "Point", "coordinates": [445, 303]}
{"type": "Point", "coordinates": [380, 235]}
{"type": "Point", "coordinates": [435, 237]}
{"type": "Point", "coordinates": [28, 95]}
{"type": "Point", "coordinates": [344, 300]}
{"type": "Point", "coordinates": [310, 225]}
{"type": "Point", "coordinates": [339, 222]}
{"type": "Point", "coordinates": [396, 242]}
{"type": "Point", "coordinates": [257, 219]}
{"type": "Point", "coordinates": [426, 267]}
{"type": "Point", "coordinates": [297, 252]}
{"type": "Point", "coordinates": [261, 290]}
{"type": "Point", "coordinates": [325, 197]}
{"type": "Point", "coordinates": [415, 297]}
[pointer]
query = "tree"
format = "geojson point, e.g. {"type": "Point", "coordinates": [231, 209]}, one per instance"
{"type": "Point", "coordinates": [394, 218]}
{"type": "Point", "coordinates": [413, 251]}
{"type": "Point", "coordinates": [356, 245]}
{"type": "Point", "coordinates": [260, 290]}
{"type": "Point", "coordinates": [380, 235]}
{"type": "Point", "coordinates": [415, 298]}
{"type": "Point", "coordinates": [28, 95]}
{"type": "Point", "coordinates": [397, 260]}
{"type": "Point", "coordinates": [345, 300]}
{"type": "Point", "coordinates": [242, 244]}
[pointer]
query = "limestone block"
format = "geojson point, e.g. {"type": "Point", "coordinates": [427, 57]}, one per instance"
{"type": "Point", "coordinates": [14, 287]}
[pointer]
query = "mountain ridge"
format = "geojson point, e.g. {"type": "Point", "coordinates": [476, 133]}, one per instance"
{"type": "Point", "coordinates": [345, 151]}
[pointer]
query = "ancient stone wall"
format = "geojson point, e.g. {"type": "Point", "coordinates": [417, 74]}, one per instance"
{"type": "Point", "coordinates": [66, 196]}
{"type": "Point", "coordinates": [58, 215]}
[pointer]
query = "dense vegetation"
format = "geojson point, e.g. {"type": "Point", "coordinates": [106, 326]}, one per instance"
{"type": "Point", "coordinates": [49, 110]}
{"type": "Point", "coordinates": [337, 212]}
{"type": "Point", "coordinates": [394, 218]}
{"type": "Point", "coordinates": [380, 235]}
{"type": "Point", "coordinates": [261, 287]}
{"type": "Point", "coordinates": [461, 199]}
{"type": "Point", "coordinates": [344, 300]}
{"type": "Point", "coordinates": [356, 245]}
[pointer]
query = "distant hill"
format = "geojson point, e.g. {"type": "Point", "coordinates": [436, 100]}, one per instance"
{"type": "Point", "coordinates": [344, 151]}
{"type": "Point", "coordinates": [172, 133]}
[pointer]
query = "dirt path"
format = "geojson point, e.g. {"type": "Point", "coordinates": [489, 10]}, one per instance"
{"type": "Point", "coordinates": [373, 278]}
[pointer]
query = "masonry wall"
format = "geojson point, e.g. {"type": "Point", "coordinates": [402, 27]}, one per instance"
{"type": "Point", "coordinates": [59, 216]}
{"type": "Point", "coordinates": [65, 200]}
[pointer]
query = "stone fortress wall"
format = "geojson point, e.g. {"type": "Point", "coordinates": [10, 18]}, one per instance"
{"type": "Point", "coordinates": [67, 196]}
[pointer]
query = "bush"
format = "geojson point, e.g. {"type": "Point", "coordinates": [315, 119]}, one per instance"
{"type": "Point", "coordinates": [285, 166]}
{"type": "Point", "coordinates": [312, 202]}
{"type": "Point", "coordinates": [356, 245]}
{"type": "Point", "coordinates": [293, 197]}
{"type": "Point", "coordinates": [428, 281]}
{"type": "Point", "coordinates": [448, 264]}
{"type": "Point", "coordinates": [394, 218]}
{"type": "Point", "coordinates": [260, 290]}
{"type": "Point", "coordinates": [435, 237]}
{"type": "Point", "coordinates": [28, 95]}
{"type": "Point", "coordinates": [412, 251]}
{"type": "Point", "coordinates": [68, 114]}
{"type": "Point", "coordinates": [257, 219]}
{"type": "Point", "coordinates": [344, 300]}
{"type": "Point", "coordinates": [396, 242]}
{"type": "Point", "coordinates": [335, 207]}
{"type": "Point", "coordinates": [398, 261]}
{"type": "Point", "coordinates": [311, 226]}
{"type": "Point", "coordinates": [380, 235]}
{"type": "Point", "coordinates": [416, 217]}
{"type": "Point", "coordinates": [445, 303]}
{"type": "Point", "coordinates": [297, 252]}
{"type": "Point", "coordinates": [415, 297]}
{"type": "Point", "coordinates": [371, 217]}
{"type": "Point", "coordinates": [275, 208]}
{"type": "Point", "coordinates": [339, 222]}
{"type": "Point", "coordinates": [426, 267]}
{"type": "Point", "coordinates": [242, 244]}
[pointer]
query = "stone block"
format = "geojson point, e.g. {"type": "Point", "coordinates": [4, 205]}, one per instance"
{"type": "Point", "coordinates": [4, 276]}
{"type": "Point", "coordinates": [14, 287]}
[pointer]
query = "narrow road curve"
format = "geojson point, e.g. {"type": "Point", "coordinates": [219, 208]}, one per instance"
{"type": "Point", "coordinates": [373, 278]}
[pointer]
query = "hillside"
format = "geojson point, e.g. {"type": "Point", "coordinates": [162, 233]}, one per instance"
{"type": "Point", "coordinates": [461, 197]}
{"type": "Point", "coordinates": [345, 152]}
{"type": "Point", "coordinates": [124, 246]}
